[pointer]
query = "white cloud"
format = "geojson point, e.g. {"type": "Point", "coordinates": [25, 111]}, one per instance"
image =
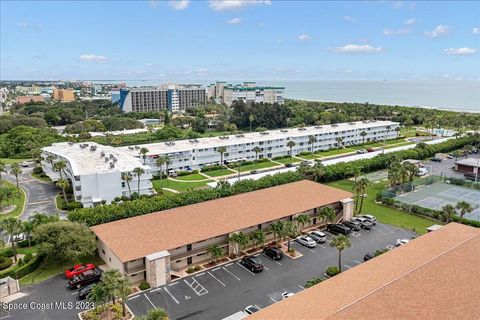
{"type": "Point", "coordinates": [410, 22]}
{"type": "Point", "coordinates": [222, 5]}
{"type": "Point", "coordinates": [356, 48]}
{"type": "Point", "coordinates": [304, 37]}
{"type": "Point", "coordinates": [397, 32]}
{"type": "Point", "coordinates": [153, 3]}
{"type": "Point", "coordinates": [350, 19]}
{"type": "Point", "coordinates": [439, 31]}
{"type": "Point", "coordinates": [93, 57]}
{"type": "Point", "coordinates": [178, 4]}
{"type": "Point", "coordinates": [476, 30]}
{"type": "Point", "coordinates": [235, 21]}
{"type": "Point", "coordinates": [397, 5]}
{"type": "Point", "coordinates": [460, 51]}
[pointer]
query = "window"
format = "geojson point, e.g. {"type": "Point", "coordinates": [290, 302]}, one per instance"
{"type": "Point", "coordinates": [189, 247]}
{"type": "Point", "coordinates": [103, 251]}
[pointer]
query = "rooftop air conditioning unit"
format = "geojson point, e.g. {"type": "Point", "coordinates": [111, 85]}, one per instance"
{"type": "Point", "coordinates": [351, 123]}
{"type": "Point", "coordinates": [137, 147]}
{"type": "Point", "coordinates": [102, 154]}
{"type": "Point", "coordinates": [302, 129]}
{"type": "Point", "coordinates": [130, 148]}
{"type": "Point", "coordinates": [71, 143]}
{"type": "Point", "coordinates": [318, 127]}
{"type": "Point", "coordinates": [106, 159]}
{"type": "Point", "coordinates": [284, 130]}
{"type": "Point", "coordinates": [111, 156]}
{"type": "Point", "coordinates": [264, 133]}
{"type": "Point", "coordinates": [112, 165]}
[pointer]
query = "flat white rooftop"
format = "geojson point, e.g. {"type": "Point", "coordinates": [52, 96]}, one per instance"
{"type": "Point", "coordinates": [201, 143]}
{"type": "Point", "coordinates": [89, 160]}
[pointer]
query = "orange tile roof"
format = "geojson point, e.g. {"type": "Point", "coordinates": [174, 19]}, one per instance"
{"type": "Point", "coordinates": [435, 276]}
{"type": "Point", "coordinates": [27, 99]}
{"type": "Point", "coordinates": [137, 237]}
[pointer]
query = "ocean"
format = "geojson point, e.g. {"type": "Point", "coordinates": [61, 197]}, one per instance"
{"type": "Point", "coordinates": [460, 95]}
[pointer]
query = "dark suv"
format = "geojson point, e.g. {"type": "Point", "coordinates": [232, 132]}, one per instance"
{"type": "Point", "coordinates": [273, 253]}
{"type": "Point", "coordinates": [338, 228]}
{"type": "Point", "coordinates": [81, 280]}
{"type": "Point", "coordinates": [252, 263]}
{"type": "Point", "coordinates": [354, 225]}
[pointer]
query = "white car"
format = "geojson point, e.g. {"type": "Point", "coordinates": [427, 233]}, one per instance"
{"type": "Point", "coordinates": [24, 164]}
{"type": "Point", "coordinates": [287, 294]}
{"type": "Point", "coordinates": [318, 236]}
{"type": "Point", "coordinates": [251, 309]}
{"type": "Point", "coordinates": [306, 241]}
{"type": "Point", "coordinates": [401, 242]}
{"type": "Point", "coordinates": [361, 151]}
{"type": "Point", "coordinates": [370, 218]}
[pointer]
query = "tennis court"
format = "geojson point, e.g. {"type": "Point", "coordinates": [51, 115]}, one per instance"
{"type": "Point", "coordinates": [437, 195]}
{"type": "Point", "coordinates": [375, 176]}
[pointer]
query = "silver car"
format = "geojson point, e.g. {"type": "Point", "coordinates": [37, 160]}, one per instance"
{"type": "Point", "coordinates": [370, 218]}
{"type": "Point", "coordinates": [318, 236]}
{"type": "Point", "coordinates": [306, 241]}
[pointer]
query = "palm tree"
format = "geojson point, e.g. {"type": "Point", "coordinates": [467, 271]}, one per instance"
{"type": "Point", "coordinates": [257, 150]}
{"type": "Point", "coordinates": [160, 161]}
{"type": "Point", "coordinates": [311, 141]}
{"type": "Point", "coordinates": [363, 185]}
{"type": "Point", "coordinates": [397, 130]}
{"type": "Point", "coordinates": [257, 237]}
{"type": "Point", "coordinates": [448, 212]}
{"type": "Point", "coordinates": [123, 290]}
{"type": "Point", "coordinates": [110, 280]}
{"type": "Point", "coordinates": [50, 159]}
{"type": "Point", "coordinates": [167, 162]}
{"type": "Point", "coordinates": [99, 295]}
{"type": "Point", "coordinates": [386, 135]}
{"type": "Point", "coordinates": [60, 167]}
{"type": "Point", "coordinates": [27, 227]}
{"type": "Point", "coordinates": [363, 134]}
{"type": "Point", "coordinates": [215, 251]}
{"type": "Point", "coordinates": [63, 184]}
{"type": "Point", "coordinates": [250, 119]}
{"type": "Point", "coordinates": [327, 214]}
{"type": "Point", "coordinates": [291, 144]}
{"type": "Point", "coordinates": [12, 227]}
{"type": "Point", "coordinates": [143, 152]}
{"type": "Point", "coordinates": [302, 220]}
{"type": "Point", "coordinates": [341, 242]}
{"type": "Point", "coordinates": [155, 314]}
{"type": "Point", "coordinates": [357, 188]}
{"type": "Point", "coordinates": [289, 230]}
{"type": "Point", "coordinates": [221, 150]}
{"type": "Point", "coordinates": [127, 177]}
{"type": "Point", "coordinates": [339, 142]}
{"type": "Point", "coordinates": [276, 229]}
{"type": "Point", "coordinates": [464, 208]}
{"type": "Point", "coordinates": [138, 172]}
{"type": "Point", "coordinates": [2, 168]}
{"type": "Point", "coordinates": [407, 123]}
{"type": "Point", "coordinates": [16, 170]}
{"type": "Point", "coordinates": [242, 241]}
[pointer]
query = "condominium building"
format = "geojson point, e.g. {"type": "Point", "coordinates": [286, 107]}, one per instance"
{"type": "Point", "coordinates": [248, 92]}
{"type": "Point", "coordinates": [413, 281]}
{"type": "Point", "coordinates": [196, 153]}
{"type": "Point", "coordinates": [63, 95]}
{"type": "Point", "coordinates": [175, 98]}
{"type": "Point", "coordinates": [156, 247]}
{"type": "Point", "coordinates": [95, 171]}
{"type": "Point", "coordinates": [28, 89]}
{"type": "Point", "coordinates": [28, 99]}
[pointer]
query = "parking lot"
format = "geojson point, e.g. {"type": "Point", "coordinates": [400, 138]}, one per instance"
{"type": "Point", "coordinates": [445, 167]}
{"type": "Point", "coordinates": [226, 289]}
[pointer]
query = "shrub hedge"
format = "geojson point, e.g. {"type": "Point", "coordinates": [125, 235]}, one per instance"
{"type": "Point", "coordinates": [332, 271]}
{"type": "Point", "coordinates": [6, 252]}
{"type": "Point", "coordinates": [144, 285]}
{"type": "Point", "coordinates": [5, 262]}
{"type": "Point", "coordinates": [17, 272]}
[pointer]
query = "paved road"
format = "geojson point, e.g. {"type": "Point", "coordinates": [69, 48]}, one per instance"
{"type": "Point", "coordinates": [40, 195]}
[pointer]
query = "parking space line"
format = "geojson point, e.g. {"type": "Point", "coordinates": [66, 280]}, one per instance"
{"type": "Point", "coordinates": [218, 268]}
{"type": "Point", "coordinates": [231, 274]}
{"type": "Point", "coordinates": [271, 259]}
{"type": "Point", "coordinates": [172, 284]}
{"type": "Point", "coordinates": [241, 265]}
{"type": "Point", "coordinates": [195, 285]}
{"type": "Point", "coordinates": [223, 284]}
{"type": "Point", "coordinates": [322, 246]}
{"type": "Point", "coordinates": [74, 293]}
{"type": "Point", "coordinates": [134, 297]}
{"type": "Point", "coordinates": [159, 288]}
{"type": "Point", "coordinates": [301, 287]}
{"type": "Point", "coordinates": [200, 274]}
{"type": "Point", "coordinates": [348, 267]}
{"type": "Point", "coordinates": [171, 295]}
{"type": "Point", "coordinates": [273, 300]}
{"type": "Point", "coordinates": [150, 301]}
{"type": "Point", "coordinates": [229, 264]}
{"type": "Point", "coordinates": [358, 262]}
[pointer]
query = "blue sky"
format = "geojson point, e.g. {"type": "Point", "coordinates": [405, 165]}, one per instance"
{"type": "Point", "coordinates": [232, 40]}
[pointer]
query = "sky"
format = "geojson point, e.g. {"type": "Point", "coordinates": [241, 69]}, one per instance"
{"type": "Point", "coordinates": [248, 40]}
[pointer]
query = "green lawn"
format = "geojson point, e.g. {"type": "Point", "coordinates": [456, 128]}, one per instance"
{"type": "Point", "coordinates": [10, 161]}
{"type": "Point", "coordinates": [288, 160]}
{"type": "Point", "coordinates": [191, 177]}
{"type": "Point", "coordinates": [19, 202]}
{"type": "Point", "coordinates": [333, 152]}
{"type": "Point", "coordinates": [256, 166]}
{"type": "Point", "coordinates": [42, 274]}
{"type": "Point", "coordinates": [219, 173]}
{"type": "Point", "coordinates": [179, 186]}
{"type": "Point", "coordinates": [39, 177]}
{"type": "Point", "coordinates": [309, 156]}
{"type": "Point", "coordinates": [384, 214]}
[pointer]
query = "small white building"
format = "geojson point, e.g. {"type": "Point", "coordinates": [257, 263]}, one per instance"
{"type": "Point", "coordinates": [95, 171]}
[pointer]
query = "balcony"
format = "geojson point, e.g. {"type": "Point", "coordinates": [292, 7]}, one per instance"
{"type": "Point", "coordinates": [135, 269]}
{"type": "Point", "coordinates": [194, 252]}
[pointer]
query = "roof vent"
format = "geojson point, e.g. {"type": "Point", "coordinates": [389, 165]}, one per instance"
{"type": "Point", "coordinates": [284, 130]}
{"type": "Point", "coordinates": [302, 129]}
{"type": "Point", "coordinates": [137, 147]}
{"type": "Point", "coordinates": [106, 159]}
{"type": "Point", "coordinates": [224, 137]}
{"type": "Point", "coordinates": [93, 148]}
{"type": "Point", "coordinates": [102, 154]}
{"type": "Point", "coordinates": [318, 127]}
{"type": "Point", "coordinates": [71, 143]}
{"type": "Point", "coordinates": [131, 148]}
{"type": "Point", "coordinates": [240, 135]}
{"type": "Point", "coordinates": [334, 125]}
{"type": "Point", "coordinates": [351, 123]}
{"type": "Point", "coordinates": [112, 165]}
{"type": "Point", "coordinates": [264, 133]}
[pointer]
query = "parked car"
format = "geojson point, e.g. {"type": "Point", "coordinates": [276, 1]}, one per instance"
{"type": "Point", "coordinates": [450, 156]}
{"type": "Point", "coordinates": [253, 171]}
{"type": "Point", "coordinates": [252, 263]}
{"type": "Point", "coordinates": [83, 293]}
{"type": "Point", "coordinates": [368, 256]}
{"type": "Point", "coordinates": [273, 253]}
{"type": "Point", "coordinates": [85, 278]}
{"type": "Point", "coordinates": [361, 151]}
{"type": "Point", "coordinates": [338, 228]}
{"type": "Point", "coordinates": [364, 223]}
{"type": "Point", "coordinates": [370, 149]}
{"type": "Point", "coordinates": [318, 236]}
{"type": "Point", "coordinates": [305, 162]}
{"type": "Point", "coordinates": [251, 309]}
{"type": "Point", "coordinates": [401, 242]}
{"type": "Point", "coordinates": [421, 172]}
{"type": "Point", "coordinates": [78, 269]}
{"type": "Point", "coordinates": [288, 165]}
{"type": "Point", "coordinates": [172, 173]}
{"type": "Point", "coordinates": [371, 218]}
{"type": "Point", "coordinates": [354, 225]}
{"type": "Point", "coordinates": [24, 164]}
{"type": "Point", "coordinates": [306, 241]}
{"type": "Point", "coordinates": [287, 294]}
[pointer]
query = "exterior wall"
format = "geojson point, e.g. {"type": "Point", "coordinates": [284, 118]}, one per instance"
{"type": "Point", "coordinates": [158, 269]}
{"type": "Point", "coordinates": [348, 206]}
{"type": "Point", "coordinates": [109, 257]}
{"type": "Point", "coordinates": [465, 168]}
{"type": "Point", "coordinates": [63, 95]}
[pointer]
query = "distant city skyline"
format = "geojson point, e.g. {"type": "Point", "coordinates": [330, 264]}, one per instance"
{"type": "Point", "coordinates": [174, 41]}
